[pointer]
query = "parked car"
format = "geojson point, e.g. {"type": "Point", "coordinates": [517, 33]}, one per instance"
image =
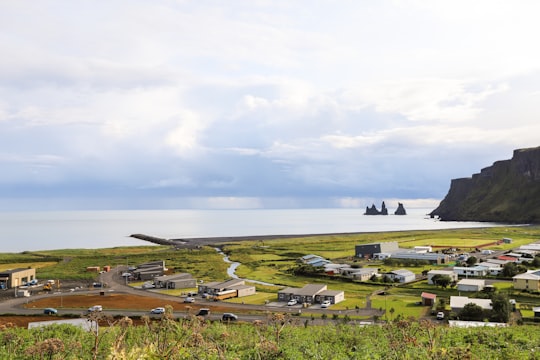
{"type": "Point", "coordinates": [292, 302]}
{"type": "Point", "coordinates": [189, 299]}
{"type": "Point", "coordinates": [50, 311]}
{"type": "Point", "coordinates": [158, 310]}
{"type": "Point", "coordinates": [229, 317]}
{"type": "Point", "coordinates": [203, 312]}
{"type": "Point", "coordinates": [95, 308]}
{"type": "Point", "coordinates": [148, 286]}
{"type": "Point", "coordinates": [440, 315]}
{"type": "Point", "coordinates": [325, 304]}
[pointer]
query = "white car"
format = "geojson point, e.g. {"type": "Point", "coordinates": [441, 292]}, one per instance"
{"type": "Point", "coordinates": [189, 299]}
{"type": "Point", "coordinates": [325, 304]}
{"type": "Point", "coordinates": [95, 308]}
{"type": "Point", "coordinates": [158, 310]}
{"type": "Point", "coordinates": [292, 302]}
{"type": "Point", "coordinates": [440, 315]}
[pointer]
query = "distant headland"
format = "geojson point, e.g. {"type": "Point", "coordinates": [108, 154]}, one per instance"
{"type": "Point", "coordinates": [506, 192]}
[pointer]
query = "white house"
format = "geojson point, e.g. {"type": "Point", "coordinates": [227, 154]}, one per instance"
{"type": "Point", "coordinates": [457, 303]}
{"type": "Point", "coordinates": [492, 268]}
{"type": "Point", "coordinates": [401, 275]}
{"type": "Point", "coordinates": [471, 285]}
{"type": "Point", "coordinates": [431, 273]}
{"type": "Point", "coordinates": [473, 271]}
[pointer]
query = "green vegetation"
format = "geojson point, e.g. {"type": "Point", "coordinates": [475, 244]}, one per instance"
{"type": "Point", "coordinates": [278, 337]}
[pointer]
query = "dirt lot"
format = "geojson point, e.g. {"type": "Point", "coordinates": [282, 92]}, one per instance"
{"type": "Point", "coordinates": [79, 303]}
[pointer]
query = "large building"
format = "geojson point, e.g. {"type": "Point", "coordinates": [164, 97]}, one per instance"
{"type": "Point", "coordinates": [16, 277]}
{"type": "Point", "coordinates": [367, 251]}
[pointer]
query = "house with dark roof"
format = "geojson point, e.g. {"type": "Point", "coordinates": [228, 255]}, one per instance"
{"type": "Point", "coordinates": [311, 293]}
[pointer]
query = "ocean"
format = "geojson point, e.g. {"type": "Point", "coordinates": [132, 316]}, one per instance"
{"type": "Point", "coordinates": [49, 230]}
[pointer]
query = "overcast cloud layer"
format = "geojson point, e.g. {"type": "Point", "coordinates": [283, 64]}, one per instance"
{"type": "Point", "coordinates": [227, 104]}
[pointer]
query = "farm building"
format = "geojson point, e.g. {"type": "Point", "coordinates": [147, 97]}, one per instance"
{"type": "Point", "coordinates": [527, 281]}
{"type": "Point", "coordinates": [311, 293]}
{"type": "Point", "coordinates": [175, 281]}
{"type": "Point", "coordinates": [428, 299]}
{"type": "Point", "coordinates": [471, 285]}
{"type": "Point", "coordinates": [16, 277]}
{"type": "Point", "coordinates": [367, 251]}
{"type": "Point", "coordinates": [457, 303]}
{"type": "Point", "coordinates": [453, 276]}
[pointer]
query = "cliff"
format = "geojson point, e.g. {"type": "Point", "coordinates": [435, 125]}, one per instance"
{"type": "Point", "coordinates": [508, 191]}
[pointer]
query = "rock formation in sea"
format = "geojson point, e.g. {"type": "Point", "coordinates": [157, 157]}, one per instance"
{"type": "Point", "coordinates": [373, 210]}
{"type": "Point", "coordinates": [400, 210]}
{"type": "Point", "coordinates": [508, 192]}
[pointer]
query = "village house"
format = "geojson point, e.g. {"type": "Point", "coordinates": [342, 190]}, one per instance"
{"type": "Point", "coordinates": [401, 275]}
{"type": "Point", "coordinates": [360, 274]}
{"type": "Point", "coordinates": [473, 271]}
{"type": "Point", "coordinates": [492, 268]}
{"type": "Point", "coordinates": [527, 281]}
{"type": "Point", "coordinates": [311, 293]}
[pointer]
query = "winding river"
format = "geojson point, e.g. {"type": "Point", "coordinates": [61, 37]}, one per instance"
{"type": "Point", "coordinates": [231, 271]}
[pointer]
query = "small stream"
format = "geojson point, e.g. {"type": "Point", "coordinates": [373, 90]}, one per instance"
{"type": "Point", "coordinates": [231, 271]}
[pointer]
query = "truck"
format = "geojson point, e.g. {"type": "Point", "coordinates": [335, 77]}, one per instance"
{"type": "Point", "coordinates": [225, 294]}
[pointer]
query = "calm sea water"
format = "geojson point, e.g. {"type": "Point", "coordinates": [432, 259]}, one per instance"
{"type": "Point", "coordinates": [30, 231]}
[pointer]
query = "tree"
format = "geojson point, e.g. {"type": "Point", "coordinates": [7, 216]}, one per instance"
{"type": "Point", "coordinates": [472, 312]}
{"type": "Point", "coordinates": [472, 260]}
{"type": "Point", "coordinates": [500, 308]}
{"type": "Point", "coordinates": [509, 270]}
{"type": "Point", "coordinates": [441, 280]}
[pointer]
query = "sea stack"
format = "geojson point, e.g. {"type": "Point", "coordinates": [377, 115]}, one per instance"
{"type": "Point", "coordinates": [373, 210]}
{"type": "Point", "coordinates": [400, 210]}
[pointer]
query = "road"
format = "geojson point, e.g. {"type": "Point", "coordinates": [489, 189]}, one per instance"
{"type": "Point", "coordinates": [116, 283]}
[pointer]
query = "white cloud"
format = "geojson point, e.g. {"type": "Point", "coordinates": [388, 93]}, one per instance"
{"type": "Point", "coordinates": [265, 100]}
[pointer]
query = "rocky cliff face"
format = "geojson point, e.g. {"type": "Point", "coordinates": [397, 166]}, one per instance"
{"type": "Point", "coordinates": [508, 191]}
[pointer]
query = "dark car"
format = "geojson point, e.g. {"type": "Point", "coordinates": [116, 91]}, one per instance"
{"type": "Point", "coordinates": [229, 317]}
{"type": "Point", "coordinates": [203, 312]}
{"type": "Point", "coordinates": [50, 311]}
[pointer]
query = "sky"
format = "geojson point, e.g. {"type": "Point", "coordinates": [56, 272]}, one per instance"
{"type": "Point", "coordinates": [136, 104]}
